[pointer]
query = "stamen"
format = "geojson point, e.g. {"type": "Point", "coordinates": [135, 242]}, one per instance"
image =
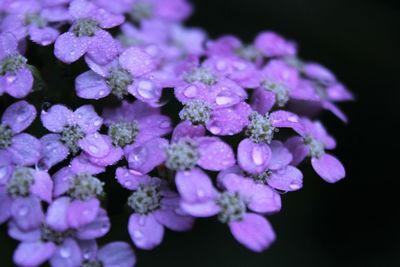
{"type": "Point", "coordinates": [85, 186]}
{"type": "Point", "coordinates": [70, 136]}
{"type": "Point", "coordinates": [20, 182]}
{"type": "Point", "coordinates": [317, 149]}
{"type": "Point", "coordinates": [123, 133]}
{"type": "Point", "coordinates": [232, 205]}
{"type": "Point", "coordinates": [35, 19]}
{"type": "Point", "coordinates": [202, 75]}
{"type": "Point", "coordinates": [182, 155]}
{"type": "Point", "coordinates": [145, 199]}
{"type": "Point", "coordinates": [6, 135]}
{"type": "Point", "coordinates": [260, 128]}
{"type": "Point", "coordinates": [119, 79]}
{"type": "Point", "coordinates": [196, 111]}
{"type": "Point", "coordinates": [280, 91]}
{"type": "Point", "coordinates": [85, 27]}
{"type": "Point", "coordinates": [12, 63]}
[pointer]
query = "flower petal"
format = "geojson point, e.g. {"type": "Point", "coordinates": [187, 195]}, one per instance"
{"type": "Point", "coordinates": [285, 119]}
{"type": "Point", "coordinates": [67, 255]}
{"type": "Point", "coordinates": [56, 216]}
{"type": "Point", "coordinates": [25, 149]}
{"type": "Point", "coordinates": [19, 116]}
{"type": "Point", "coordinates": [172, 217]}
{"type": "Point", "coordinates": [95, 145]}
{"type": "Point", "coordinates": [298, 149]}
{"type": "Point", "coordinates": [145, 231]}
{"type": "Point", "coordinates": [17, 85]}
{"type": "Point", "coordinates": [262, 100]}
{"type": "Point", "coordinates": [253, 158]}
{"type": "Point", "coordinates": [130, 179]}
{"type": "Point", "coordinates": [280, 157]}
{"type": "Point", "coordinates": [42, 186]}
{"type": "Point", "coordinates": [137, 61]}
{"type": "Point", "coordinates": [96, 229]}
{"type": "Point", "coordinates": [68, 48]}
{"type": "Point", "coordinates": [87, 119]}
{"type": "Point", "coordinates": [53, 151]}
{"type": "Point", "coordinates": [27, 212]}
{"type": "Point", "coordinates": [187, 129]}
{"type": "Point", "coordinates": [34, 253]}
{"type": "Point", "coordinates": [329, 168]}
{"type": "Point", "coordinates": [215, 155]}
{"type": "Point", "coordinates": [253, 231]}
{"type": "Point", "coordinates": [56, 118]}
{"type": "Point", "coordinates": [80, 212]}
{"type": "Point", "coordinates": [286, 179]}
{"type": "Point", "coordinates": [103, 48]}
{"type": "Point", "coordinates": [8, 44]}
{"type": "Point", "coordinates": [43, 36]}
{"type": "Point", "coordinates": [5, 203]}
{"type": "Point", "coordinates": [90, 85]}
{"type": "Point", "coordinates": [117, 254]}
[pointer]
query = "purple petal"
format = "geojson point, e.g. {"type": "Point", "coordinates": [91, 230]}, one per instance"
{"type": "Point", "coordinates": [286, 179]}
{"type": "Point", "coordinates": [87, 119]}
{"type": "Point", "coordinates": [335, 110]}
{"type": "Point", "coordinates": [56, 118]}
{"type": "Point", "coordinates": [68, 48]}
{"type": "Point", "coordinates": [146, 90]}
{"type": "Point", "coordinates": [145, 231]}
{"type": "Point", "coordinates": [33, 254]}
{"type": "Point", "coordinates": [81, 164]}
{"type": "Point", "coordinates": [329, 168]}
{"type": "Point", "coordinates": [280, 157]}
{"type": "Point", "coordinates": [19, 116]}
{"type": "Point", "coordinates": [112, 158]}
{"type": "Point", "coordinates": [153, 126]}
{"type": "Point", "coordinates": [117, 254]}
{"type": "Point", "coordinates": [143, 159]}
{"type": "Point", "coordinates": [95, 145]}
{"type": "Point", "coordinates": [285, 119]}
{"type": "Point", "coordinates": [186, 129]}
{"type": "Point", "coordinates": [67, 255]}
{"type": "Point", "coordinates": [195, 186]}
{"type": "Point", "coordinates": [260, 198]}
{"type": "Point", "coordinates": [53, 151]}
{"type": "Point", "coordinates": [338, 93]}
{"type": "Point", "coordinates": [202, 209]}
{"type": "Point", "coordinates": [319, 72]}
{"type": "Point", "coordinates": [56, 216]}
{"type": "Point", "coordinates": [298, 149]}
{"type": "Point", "coordinates": [172, 217]}
{"type": "Point", "coordinates": [17, 85]}
{"type": "Point", "coordinates": [107, 19]}
{"type": "Point", "coordinates": [62, 181]}
{"type": "Point", "coordinates": [88, 249]}
{"type": "Point", "coordinates": [271, 45]}
{"type": "Point", "coordinates": [262, 100]}
{"type": "Point", "coordinates": [42, 186]}
{"type": "Point", "coordinates": [253, 231]}
{"type": "Point", "coordinates": [27, 212]}
{"type": "Point", "coordinates": [103, 48]}
{"type": "Point", "coordinates": [215, 155]}
{"type": "Point", "coordinates": [25, 149]}
{"type": "Point", "coordinates": [137, 61]}
{"type": "Point", "coordinates": [8, 44]}
{"type": "Point", "coordinates": [24, 236]}
{"type": "Point", "coordinates": [130, 179]}
{"type": "Point", "coordinates": [229, 121]}
{"type": "Point", "coordinates": [43, 36]}
{"type": "Point", "coordinates": [253, 158]}
{"type": "Point", "coordinates": [96, 229]}
{"type": "Point", "coordinates": [80, 212]}
{"type": "Point", "coordinates": [90, 85]}
{"type": "Point", "coordinates": [5, 203]}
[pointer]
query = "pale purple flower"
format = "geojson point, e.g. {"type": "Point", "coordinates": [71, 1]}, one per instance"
{"type": "Point", "coordinates": [77, 130]}
{"type": "Point", "coordinates": [237, 206]}
{"type": "Point", "coordinates": [37, 19]}
{"type": "Point", "coordinates": [23, 149]}
{"type": "Point", "coordinates": [130, 73]}
{"type": "Point", "coordinates": [155, 206]}
{"type": "Point", "coordinates": [167, 11]}
{"type": "Point", "coordinates": [86, 34]}
{"type": "Point", "coordinates": [16, 78]}
{"type": "Point", "coordinates": [54, 241]}
{"type": "Point", "coordinates": [110, 255]}
{"type": "Point", "coordinates": [314, 143]}
{"type": "Point", "coordinates": [274, 45]}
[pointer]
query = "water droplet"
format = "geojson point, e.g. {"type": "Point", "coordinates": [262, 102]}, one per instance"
{"type": "Point", "coordinates": [23, 211]}
{"type": "Point", "coordinates": [86, 212]}
{"type": "Point", "coordinates": [293, 119]}
{"type": "Point", "coordinates": [294, 186]}
{"type": "Point", "coordinates": [165, 124]}
{"type": "Point", "coordinates": [3, 172]}
{"type": "Point", "coordinates": [93, 149]}
{"type": "Point", "coordinates": [142, 220]}
{"type": "Point", "coordinates": [11, 78]}
{"type": "Point", "coordinates": [127, 183]}
{"type": "Point", "coordinates": [65, 252]}
{"type": "Point", "coordinates": [97, 123]}
{"type": "Point", "coordinates": [191, 91]}
{"type": "Point", "coordinates": [224, 100]}
{"type": "Point", "coordinates": [257, 155]}
{"type": "Point", "coordinates": [221, 65]}
{"type": "Point", "coordinates": [146, 89]}
{"type": "Point", "coordinates": [200, 193]}
{"type": "Point", "coordinates": [137, 234]}
{"type": "Point", "coordinates": [215, 130]}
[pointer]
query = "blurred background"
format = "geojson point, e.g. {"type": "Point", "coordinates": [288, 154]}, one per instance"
{"type": "Point", "coordinates": [355, 222]}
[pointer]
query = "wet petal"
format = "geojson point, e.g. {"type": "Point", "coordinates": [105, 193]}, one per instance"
{"type": "Point", "coordinates": [25, 149]}
{"type": "Point", "coordinates": [285, 119]}
{"type": "Point", "coordinates": [145, 231]}
{"type": "Point", "coordinates": [90, 85]}
{"type": "Point", "coordinates": [286, 179]}
{"type": "Point", "coordinates": [280, 157]}
{"type": "Point", "coordinates": [172, 217]}
{"type": "Point", "coordinates": [80, 212]}
{"type": "Point", "coordinates": [96, 229]}
{"type": "Point", "coordinates": [253, 231]}
{"type": "Point", "coordinates": [103, 48]}
{"type": "Point", "coordinates": [153, 126]}
{"type": "Point", "coordinates": [136, 61]}
{"type": "Point", "coordinates": [19, 116]}
{"type": "Point", "coordinates": [27, 212]}
{"type": "Point", "coordinates": [53, 151]}
{"type": "Point", "coordinates": [67, 255]}
{"type": "Point", "coordinates": [33, 254]}
{"type": "Point", "coordinates": [69, 48]}
{"type": "Point", "coordinates": [298, 149]}
{"type": "Point", "coordinates": [215, 155]}
{"type": "Point", "coordinates": [186, 129]}
{"type": "Point", "coordinates": [42, 186]}
{"type": "Point", "coordinates": [262, 100]}
{"type": "Point", "coordinates": [201, 209]}
{"type": "Point", "coordinates": [56, 216]}
{"type": "Point", "coordinates": [56, 118]}
{"type": "Point", "coordinates": [87, 119]}
{"type": "Point", "coordinates": [95, 145]}
{"type": "Point", "coordinates": [118, 254]}
{"type": "Point", "coordinates": [43, 36]}
{"type": "Point", "coordinates": [17, 85]}
{"type": "Point", "coordinates": [81, 164]}
{"type": "Point", "coordinates": [329, 168]}
{"type": "Point", "coordinates": [130, 179]}
{"type": "Point", "coordinates": [253, 158]}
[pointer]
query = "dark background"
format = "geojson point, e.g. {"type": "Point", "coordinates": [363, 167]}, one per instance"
{"type": "Point", "coordinates": [355, 222]}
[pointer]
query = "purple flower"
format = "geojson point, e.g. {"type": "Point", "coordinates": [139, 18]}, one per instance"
{"type": "Point", "coordinates": [81, 191]}
{"type": "Point", "coordinates": [234, 206]}
{"type": "Point", "coordinates": [53, 240]}
{"type": "Point", "coordinates": [273, 45]}
{"type": "Point", "coordinates": [110, 255]}
{"type": "Point", "coordinates": [16, 78]}
{"type": "Point", "coordinates": [37, 19]}
{"type": "Point", "coordinates": [77, 130]}
{"type": "Point", "coordinates": [21, 196]}
{"type": "Point", "coordinates": [130, 73]}
{"type": "Point", "coordinates": [155, 206]}
{"type": "Point", "coordinates": [313, 143]}
{"type": "Point", "coordinates": [167, 11]}
{"type": "Point", "coordinates": [86, 34]}
{"type": "Point", "coordinates": [22, 148]}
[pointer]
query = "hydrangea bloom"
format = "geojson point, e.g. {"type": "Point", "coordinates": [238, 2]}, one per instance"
{"type": "Point", "coordinates": [197, 128]}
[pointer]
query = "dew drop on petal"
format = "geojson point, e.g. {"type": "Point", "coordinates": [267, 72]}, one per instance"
{"type": "Point", "coordinates": [215, 130]}
{"type": "Point", "coordinates": [137, 234]}
{"type": "Point", "coordinates": [65, 252]}
{"type": "Point", "coordinates": [257, 155]}
{"type": "Point", "coordinates": [23, 211]}
{"type": "Point", "coordinates": [190, 91]}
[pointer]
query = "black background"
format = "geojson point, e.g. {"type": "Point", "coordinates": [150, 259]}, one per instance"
{"type": "Point", "coordinates": [355, 222]}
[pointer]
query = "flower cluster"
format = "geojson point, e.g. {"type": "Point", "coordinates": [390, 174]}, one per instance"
{"type": "Point", "coordinates": [245, 122]}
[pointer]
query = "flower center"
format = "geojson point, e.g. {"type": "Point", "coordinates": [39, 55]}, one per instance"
{"type": "Point", "coordinates": [317, 149]}
{"type": "Point", "coordinates": [35, 19]}
{"type": "Point", "coordinates": [85, 186]}
{"type": "Point", "coordinates": [248, 52]}
{"type": "Point", "coordinates": [5, 136]}
{"type": "Point", "coordinates": [195, 111]}
{"type": "Point", "coordinates": [70, 136]}
{"type": "Point", "coordinates": [145, 199]}
{"type": "Point", "coordinates": [92, 263]}
{"type": "Point", "coordinates": [20, 182]}
{"type": "Point", "coordinates": [49, 235]}
{"type": "Point", "coordinates": [280, 91]}
{"type": "Point", "coordinates": [12, 63]}
{"type": "Point", "coordinates": [261, 178]}
{"type": "Point", "coordinates": [182, 155]}
{"type": "Point", "coordinates": [123, 133]}
{"type": "Point", "coordinates": [119, 79]}
{"type": "Point", "coordinates": [202, 75]}
{"type": "Point", "coordinates": [260, 128]}
{"type": "Point", "coordinates": [141, 11]}
{"type": "Point", "coordinates": [85, 27]}
{"type": "Point", "coordinates": [232, 205]}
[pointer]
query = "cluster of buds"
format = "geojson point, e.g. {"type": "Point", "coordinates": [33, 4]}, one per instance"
{"type": "Point", "coordinates": [224, 153]}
